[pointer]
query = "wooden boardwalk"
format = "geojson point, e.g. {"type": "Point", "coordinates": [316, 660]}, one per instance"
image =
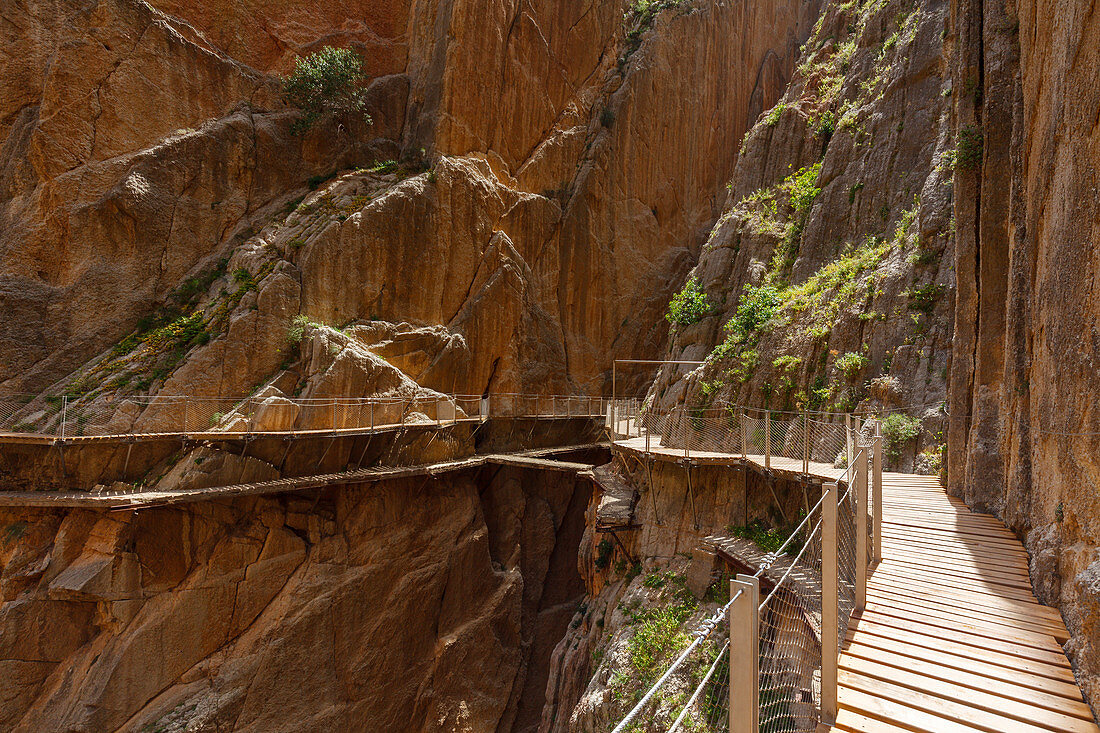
{"type": "Point", "coordinates": [952, 638]}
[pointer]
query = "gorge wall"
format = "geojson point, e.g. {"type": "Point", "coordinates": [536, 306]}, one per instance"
{"type": "Point", "coordinates": [421, 604]}
{"type": "Point", "coordinates": [827, 283]}
{"type": "Point", "coordinates": [541, 217]}
{"type": "Point", "coordinates": [1025, 431]}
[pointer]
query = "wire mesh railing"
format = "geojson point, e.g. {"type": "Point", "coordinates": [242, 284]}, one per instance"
{"type": "Point", "coordinates": [792, 441]}
{"type": "Point", "coordinates": [70, 417]}
{"type": "Point", "coordinates": [776, 670]}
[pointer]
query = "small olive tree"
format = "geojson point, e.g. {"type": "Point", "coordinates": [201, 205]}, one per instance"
{"type": "Point", "coordinates": [328, 81]}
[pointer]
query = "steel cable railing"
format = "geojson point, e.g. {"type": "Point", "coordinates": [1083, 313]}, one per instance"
{"type": "Point", "coordinates": [791, 629]}
{"type": "Point", "coordinates": [67, 416]}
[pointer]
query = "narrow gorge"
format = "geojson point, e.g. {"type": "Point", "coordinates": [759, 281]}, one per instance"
{"type": "Point", "coordinates": [341, 340]}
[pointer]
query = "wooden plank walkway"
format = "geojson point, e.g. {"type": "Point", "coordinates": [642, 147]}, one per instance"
{"type": "Point", "coordinates": [539, 458]}
{"type": "Point", "coordinates": [952, 638]}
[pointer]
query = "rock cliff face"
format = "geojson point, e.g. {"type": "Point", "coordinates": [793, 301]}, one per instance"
{"type": "Point", "coordinates": [576, 160]}
{"type": "Point", "coordinates": [827, 282]}
{"type": "Point", "coordinates": [1025, 429]}
{"type": "Point", "coordinates": [409, 605]}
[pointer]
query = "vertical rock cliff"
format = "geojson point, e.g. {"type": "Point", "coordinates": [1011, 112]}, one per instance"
{"type": "Point", "coordinates": [1025, 431]}
{"type": "Point", "coordinates": [827, 282]}
{"type": "Point", "coordinates": [566, 160]}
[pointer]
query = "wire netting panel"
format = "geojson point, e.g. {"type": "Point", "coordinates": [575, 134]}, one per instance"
{"type": "Point", "coordinates": [790, 640]}
{"type": "Point", "coordinates": [827, 441]}
{"type": "Point", "coordinates": [846, 559]}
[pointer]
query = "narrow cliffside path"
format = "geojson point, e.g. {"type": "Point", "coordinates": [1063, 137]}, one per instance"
{"type": "Point", "coordinates": [952, 638]}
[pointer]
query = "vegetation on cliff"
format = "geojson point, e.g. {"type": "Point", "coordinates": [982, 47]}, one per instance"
{"type": "Point", "coordinates": [330, 81]}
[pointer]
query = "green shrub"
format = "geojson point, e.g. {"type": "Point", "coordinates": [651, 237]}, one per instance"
{"type": "Point", "coordinates": [968, 152]}
{"type": "Point", "coordinates": [756, 308]}
{"type": "Point", "coordinates": [802, 187]}
{"type": "Point", "coordinates": [775, 114]}
{"type": "Point", "coordinates": [851, 364]}
{"type": "Point", "coordinates": [607, 117]}
{"type": "Point", "coordinates": [787, 363]}
{"type": "Point", "coordinates": [924, 298]}
{"type": "Point", "coordinates": [897, 431]}
{"type": "Point", "coordinates": [768, 539]}
{"type": "Point", "coordinates": [328, 81]}
{"type": "Point", "coordinates": [689, 305]}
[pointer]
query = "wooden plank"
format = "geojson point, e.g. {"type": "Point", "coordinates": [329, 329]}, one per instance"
{"type": "Point", "coordinates": [1008, 616]}
{"type": "Point", "coordinates": [993, 685]}
{"type": "Point", "coordinates": [964, 636]}
{"type": "Point", "coordinates": [946, 544]}
{"type": "Point", "coordinates": [962, 559]}
{"type": "Point", "coordinates": [952, 517]}
{"type": "Point", "coordinates": [850, 721]}
{"type": "Point", "coordinates": [958, 712]}
{"type": "Point", "coordinates": [948, 660]}
{"type": "Point", "coordinates": [974, 599]}
{"type": "Point", "coordinates": [951, 698]}
{"type": "Point", "coordinates": [917, 536]}
{"type": "Point", "coordinates": [968, 587]}
{"type": "Point", "coordinates": [1042, 669]}
{"type": "Point", "coordinates": [910, 556]}
{"type": "Point", "coordinates": [891, 712]}
{"type": "Point", "coordinates": [967, 576]}
{"type": "Point", "coordinates": [987, 536]}
{"type": "Point", "coordinates": [979, 626]}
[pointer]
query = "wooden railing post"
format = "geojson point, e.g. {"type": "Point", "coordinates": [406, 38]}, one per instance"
{"type": "Point", "coordinates": [876, 492]}
{"type": "Point", "coordinates": [829, 621]}
{"type": "Point", "coordinates": [767, 440]}
{"type": "Point", "coordinates": [744, 655]}
{"type": "Point", "coordinates": [859, 475]}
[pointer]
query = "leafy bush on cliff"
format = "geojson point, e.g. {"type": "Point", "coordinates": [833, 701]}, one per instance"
{"type": "Point", "coordinates": [897, 430]}
{"type": "Point", "coordinates": [688, 306]}
{"type": "Point", "coordinates": [329, 81]}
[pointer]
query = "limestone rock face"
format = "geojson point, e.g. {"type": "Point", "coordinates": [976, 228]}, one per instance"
{"type": "Point", "coordinates": [578, 161]}
{"type": "Point", "coordinates": [399, 606]}
{"type": "Point", "coordinates": [1025, 433]}
{"type": "Point", "coordinates": [828, 278]}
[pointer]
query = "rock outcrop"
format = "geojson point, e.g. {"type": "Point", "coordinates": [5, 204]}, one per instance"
{"type": "Point", "coordinates": [142, 143]}
{"type": "Point", "coordinates": [827, 282]}
{"type": "Point", "coordinates": [1025, 431]}
{"type": "Point", "coordinates": [408, 605]}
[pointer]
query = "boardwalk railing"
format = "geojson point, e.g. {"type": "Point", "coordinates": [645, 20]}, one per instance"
{"type": "Point", "coordinates": [64, 417]}
{"type": "Point", "coordinates": [788, 438]}
{"type": "Point", "coordinates": [780, 633]}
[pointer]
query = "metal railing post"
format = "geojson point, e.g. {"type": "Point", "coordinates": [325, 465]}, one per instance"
{"type": "Point", "coordinates": [830, 629]}
{"type": "Point", "coordinates": [876, 492]}
{"type": "Point", "coordinates": [687, 433]}
{"type": "Point", "coordinates": [860, 486]}
{"type": "Point", "coordinates": [848, 452]}
{"type": "Point", "coordinates": [744, 620]}
{"type": "Point", "coordinates": [805, 442]}
{"type": "Point", "coordinates": [334, 413]}
{"type": "Point", "coordinates": [767, 440]}
{"type": "Point", "coordinates": [64, 413]}
{"type": "Point", "coordinates": [744, 435]}
{"type": "Point", "coordinates": [185, 401]}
